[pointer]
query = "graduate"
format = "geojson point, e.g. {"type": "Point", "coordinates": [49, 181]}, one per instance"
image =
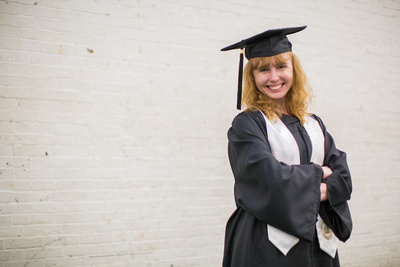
{"type": "Point", "coordinates": [292, 184]}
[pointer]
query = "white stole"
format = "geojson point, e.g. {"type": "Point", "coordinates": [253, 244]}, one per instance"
{"type": "Point", "coordinates": [285, 149]}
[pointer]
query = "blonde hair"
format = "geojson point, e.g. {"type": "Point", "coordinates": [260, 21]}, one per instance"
{"type": "Point", "coordinates": [297, 99]}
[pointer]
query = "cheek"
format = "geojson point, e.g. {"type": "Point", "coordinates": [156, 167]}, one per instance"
{"type": "Point", "coordinates": [259, 79]}
{"type": "Point", "coordinates": [256, 79]}
{"type": "Point", "coordinates": [289, 77]}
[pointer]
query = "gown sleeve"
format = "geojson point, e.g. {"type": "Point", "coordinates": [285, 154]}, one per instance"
{"type": "Point", "coordinates": [284, 196]}
{"type": "Point", "coordinates": [335, 212]}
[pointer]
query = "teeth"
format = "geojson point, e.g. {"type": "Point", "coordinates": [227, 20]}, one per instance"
{"type": "Point", "coordinates": [275, 87]}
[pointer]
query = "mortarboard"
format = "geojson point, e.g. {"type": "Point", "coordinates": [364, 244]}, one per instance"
{"type": "Point", "coordinates": [265, 44]}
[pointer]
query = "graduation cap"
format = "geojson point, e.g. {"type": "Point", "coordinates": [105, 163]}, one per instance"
{"type": "Point", "coordinates": [266, 44]}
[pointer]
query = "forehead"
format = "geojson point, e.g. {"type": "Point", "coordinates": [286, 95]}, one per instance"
{"type": "Point", "coordinates": [283, 58]}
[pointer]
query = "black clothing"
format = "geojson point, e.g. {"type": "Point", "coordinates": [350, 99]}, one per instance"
{"type": "Point", "coordinates": [284, 196]}
{"type": "Point", "coordinates": [266, 44]}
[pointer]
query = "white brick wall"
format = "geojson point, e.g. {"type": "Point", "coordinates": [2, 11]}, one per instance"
{"type": "Point", "coordinates": [113, 120]}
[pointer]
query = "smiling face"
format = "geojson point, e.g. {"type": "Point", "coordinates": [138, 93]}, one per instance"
{"type": "Point", "coordinates": [275, 78]}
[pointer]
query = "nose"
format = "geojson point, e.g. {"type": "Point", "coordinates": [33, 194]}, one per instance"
{"type": "Point", "coordinates": [274, 75]}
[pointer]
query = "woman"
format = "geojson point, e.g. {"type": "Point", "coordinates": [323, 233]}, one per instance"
{"type": "Point", "coordinates": [291, 183]}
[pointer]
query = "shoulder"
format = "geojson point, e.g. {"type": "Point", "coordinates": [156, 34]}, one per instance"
{"type": "Point", "coordinates": [319, 120]}
{"type": "Point", "coordinates": [248, 122]}
{"type": "Point", "coordinates": [248, 117]}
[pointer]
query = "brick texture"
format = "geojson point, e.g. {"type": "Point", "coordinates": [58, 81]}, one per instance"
{"type": "Point", "coordinates": [113, 120]}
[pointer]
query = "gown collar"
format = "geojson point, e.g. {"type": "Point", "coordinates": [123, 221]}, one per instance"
{"type": "Point", "coordinates": [287, 119]}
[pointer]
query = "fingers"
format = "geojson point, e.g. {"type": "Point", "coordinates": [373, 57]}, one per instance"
{"type": "Point", "coordinates": [324, 192]}
{"type": "Point", "coordinates": [327, 171]}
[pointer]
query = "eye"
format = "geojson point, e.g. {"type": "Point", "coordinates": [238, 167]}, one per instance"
{"type": "Point", "coordinates": [263, 70]}
{"type": "Point", "coordinates": [283, 66]}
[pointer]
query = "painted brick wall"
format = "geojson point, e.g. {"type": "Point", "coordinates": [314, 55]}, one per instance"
{"type": "Point", "coordinates": [113, 120]}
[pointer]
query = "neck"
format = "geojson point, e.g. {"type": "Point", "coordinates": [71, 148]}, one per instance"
{"type": "Point", "coordinates": [282, 106]}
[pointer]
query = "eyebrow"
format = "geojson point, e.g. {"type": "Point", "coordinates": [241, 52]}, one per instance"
{"type": "Point", "coordinates": [261, 65]}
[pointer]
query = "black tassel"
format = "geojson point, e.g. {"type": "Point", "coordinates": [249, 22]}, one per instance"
{"type": "Point", "coordinates": [240, 79]}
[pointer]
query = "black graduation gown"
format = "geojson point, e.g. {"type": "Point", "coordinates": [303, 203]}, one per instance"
{"type": "Point", "coordinates": [284, 196]}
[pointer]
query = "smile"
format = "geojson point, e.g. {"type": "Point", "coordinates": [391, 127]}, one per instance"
{"type": "Point", "coordinates": [275, 87]}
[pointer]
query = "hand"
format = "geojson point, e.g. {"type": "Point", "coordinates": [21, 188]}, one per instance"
{"type": "Point", "coordinates": [324, 192]}
{"type": "Point", "coordinates": [327, 171]}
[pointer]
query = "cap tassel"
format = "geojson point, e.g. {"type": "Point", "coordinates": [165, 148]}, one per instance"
{"type": "Point", "coordinates": [240, 79]}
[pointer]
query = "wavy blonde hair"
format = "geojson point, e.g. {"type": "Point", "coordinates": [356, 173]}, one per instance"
{"type": "Point", "coordinates": [297, 99]}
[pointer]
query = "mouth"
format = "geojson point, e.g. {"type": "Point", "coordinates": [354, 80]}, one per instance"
{"type": "Point", "coordinates": [275, 87]}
